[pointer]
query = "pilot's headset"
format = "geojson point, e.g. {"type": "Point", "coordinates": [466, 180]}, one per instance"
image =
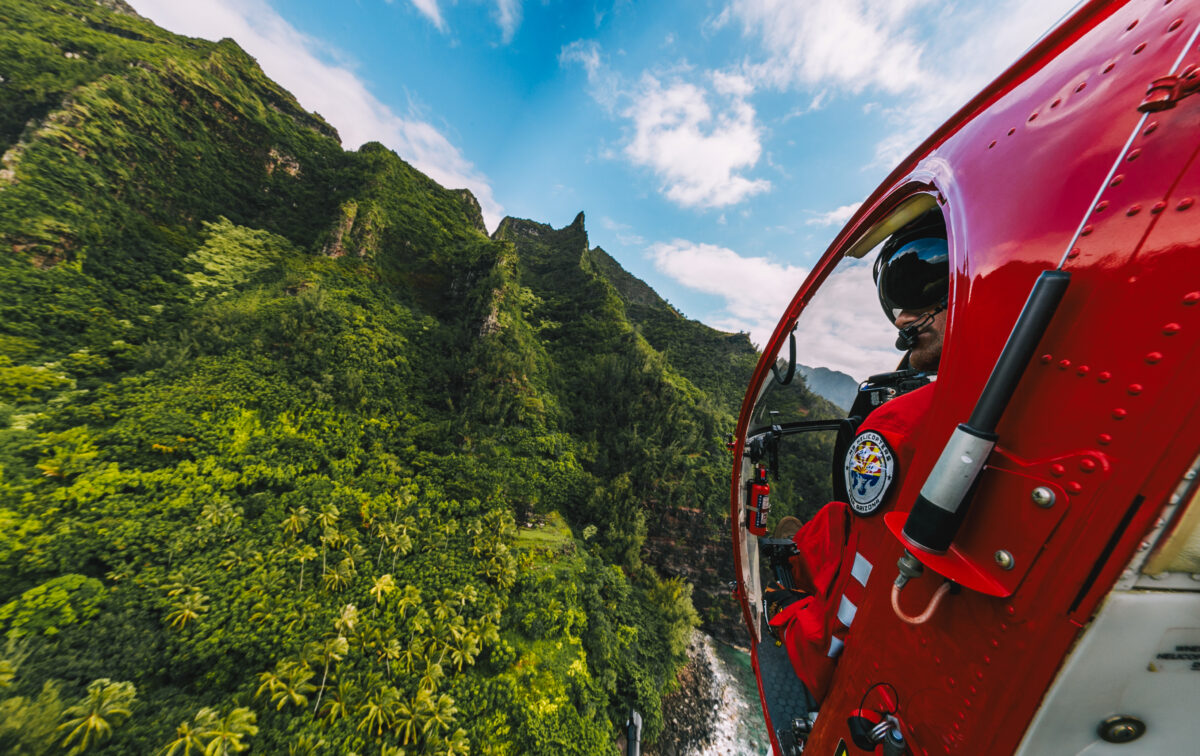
{"type": "Point", "coordinates": [912, 271]}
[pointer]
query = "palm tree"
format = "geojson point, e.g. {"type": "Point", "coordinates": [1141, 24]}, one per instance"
{"type": "Point", "coordinates": [302, 554]}
{"type": "Point", "coordinates": [383, 586]}
{"type": "Point", "coordinates": [338, 703]}
{"type": "Point", "coordinates": [224, 735]}
{"type": "Point", "coordinates": [379, 709]}
{"type": "Point", "coordinates": [346, 620]}
{"type": "Point", "coordinates": [386, 532]}
{"type": "Point", "coordinates": [431, 672]}
{"type": "Point", "coordinates": [458, 744]}
{"type": "Point", "coordinates": [296, 520]}
{"type": "Point", "coordinates": [337, 578]}
{"type": "Point", "coordinates": [188, 609]}
{"type": "Point", "coordinates": [410, 598]}
{"type": "Point", "coordinates": [402, 545]}
{"type": "Point", "coordinates": [106, 706]}
{"type": "Point", "coordinates": [335, 649]}
{"type": "Point", "coordinates": [412, 716]}
{"type": "Point", "coordinates": [389, 651]}
{"type": "Point", "coordinates": [328, 517]}
{"type": "Point", "coordinates": [441, 713]}
{"type": "Point", "coordinates": [186, 739]}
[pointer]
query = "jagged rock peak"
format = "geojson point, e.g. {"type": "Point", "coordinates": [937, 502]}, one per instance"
{"type": "Point", "coordinates": [473, 208]}
{"type": "Point", "coordinates": [511, 228]}
{"type": "Point", "coordinates": [118, 6]}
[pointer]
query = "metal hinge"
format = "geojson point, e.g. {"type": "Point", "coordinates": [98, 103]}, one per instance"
{"type": "Point", "coordinates": [1165, 91]}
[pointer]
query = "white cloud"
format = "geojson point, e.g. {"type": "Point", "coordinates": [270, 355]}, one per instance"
{"type": "Point", "coordinates": [508, 17]}
{"type": "Point", "coordinates": [931, 57]}
{"type": "Point", "coordinates": [841, 329]}
{"type": "Point", "coordinates": [698, 155]}
{"type": "Point", "coordinates": [333, 90]}
{"type": "Point", "coordinates": [604, 85]}
{"type": "Point", "coordinates": [836, 217]}
{"type": "Point", "coordinates": [854, 43]}
{"type": "Point", "coordinates": [698, 142]}
{"type": "Point", "coordinates": [755, 290]}
{"type": "Point", "coordinates": [429, 9]}
{"type": "Point", "coordinates": [623, 231]}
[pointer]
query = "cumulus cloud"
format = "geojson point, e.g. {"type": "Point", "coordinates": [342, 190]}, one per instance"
{"type": "Point", "coordinates": [698, 139]}
{"type": "Point", "coordinates": [755, 290]}
{"type": "Point", "coordinates": [857, 46]}
{"type": "Point", "coordinates": [841, 329]}
{"type": "Point", "coordinates": [697, 154]}
{"type": "Point", "coordinates": [331, 89]}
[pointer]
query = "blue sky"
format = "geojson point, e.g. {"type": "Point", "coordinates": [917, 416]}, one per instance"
{"type": "Point", "coordinates": [716, 146]}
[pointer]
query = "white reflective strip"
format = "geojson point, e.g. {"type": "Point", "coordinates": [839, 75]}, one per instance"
{"type": "Point", "coordinates": [846, 611]}
{"type": "Point", "coordinates": [861, 571]}
{"type": "Point", "coordinates": [835, 647]}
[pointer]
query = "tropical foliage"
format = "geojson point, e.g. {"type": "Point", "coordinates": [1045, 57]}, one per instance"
{"type": "Point", "coordinates": [277, 421]}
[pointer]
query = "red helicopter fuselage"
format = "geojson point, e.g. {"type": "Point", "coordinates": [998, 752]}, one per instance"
{"type": "Point", "coordinates": [1072, 588]}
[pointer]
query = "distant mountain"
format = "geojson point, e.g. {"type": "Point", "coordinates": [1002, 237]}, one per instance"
{"type": "Point", "coordinates": [835, 386]}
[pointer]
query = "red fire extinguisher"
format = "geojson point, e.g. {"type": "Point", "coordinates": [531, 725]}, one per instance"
{"type": "Point", "coordinates": [759, 503]}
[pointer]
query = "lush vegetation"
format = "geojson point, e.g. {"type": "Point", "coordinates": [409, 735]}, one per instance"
{"type": "Point", "coordinates": [293, 456]}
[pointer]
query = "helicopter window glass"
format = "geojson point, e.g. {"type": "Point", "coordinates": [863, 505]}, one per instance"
{"type": "Point", "coordinates": [842, 338]}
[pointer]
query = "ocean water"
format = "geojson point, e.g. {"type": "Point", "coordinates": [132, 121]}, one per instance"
{"type": "Point", "coordinates": [738, 720]}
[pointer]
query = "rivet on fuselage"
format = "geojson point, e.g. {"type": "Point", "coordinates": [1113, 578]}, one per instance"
{"type": "Point", "coordinates": [1048, 357]}
{"type": "Point", "coordinates": [1175, 24]}
{"type": "Point", "coordinates": [1135, 389]}
{"type": "Point", "coordinates": [1133, 155]}
{"type": "Point", "coordinates": [1139, 48]}
{"type": "Point", "coordinates": [1191, 298]}
{"type": "Point", "coordinates": [1073, 254]}
{"type": "Point", "coordinates": [1116, 180]}
{"type": "Point", "coordinates": [1170, 329]}
{"type": "Point", "coordinates": [993, 144]}
{"type": "Point", "coordinates": [1044, 498]}
{"type": "Point", "coordinates": [1101, 205]}
{"type": "Point", "coordinates": [1158, 207]}
{"type": "Point", "coordinates": [1056, 103]}
{"type": "Point", "coordinates": [1087, 464]}
{"type": "Point", "coordinates": [1064, 364]}
{"type": "Point", "coordinates": [1074, 488]}
{"type": "Point", "coordinates": [1012, 131]}
{"type": "Point", "coordinates": [1108, 68]}
{"type": "Point", "coordinates": [1120, 413]}
{"type": "Point", "coordinates": [1082, 370]}
{"type": "Point", "coordinates": [1104, 439]}
{"type": "Point", "coordinates": [1082, 86]}
{"type": "Point", "coordinates": [1154, 357]}
{"type": "Point", "coordinates": [1104, 376]}
{"type": "Point", "coordinates": [1132, 25]}
{"type": "Point", "coordinates": [1057, 470]}
{"type": "Point", "coordinates": [1185, 203]}
{"type": "Point", "coordinates": [1133, 210]}
{"type": "Point", "coordinates": [1150, 128]}
{"type": "Point", "coordinates": [1086, 230]}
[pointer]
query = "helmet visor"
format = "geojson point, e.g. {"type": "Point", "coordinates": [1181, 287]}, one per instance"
{"type": "Point", "coordinates": [916, 277]}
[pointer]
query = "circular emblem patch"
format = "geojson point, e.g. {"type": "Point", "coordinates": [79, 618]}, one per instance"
{"type": "Point", "coordinates": [870, 467]}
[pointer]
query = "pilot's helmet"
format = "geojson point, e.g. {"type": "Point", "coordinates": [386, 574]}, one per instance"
{"type": "Point", "coordinates": [912, 271]}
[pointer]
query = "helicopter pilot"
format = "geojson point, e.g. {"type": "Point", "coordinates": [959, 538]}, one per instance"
{"type": "Point", "coordinates": [835, 552]}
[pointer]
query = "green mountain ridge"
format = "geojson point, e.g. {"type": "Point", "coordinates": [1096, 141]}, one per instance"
{"type": "Point", "coordinates": [295, 457]}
